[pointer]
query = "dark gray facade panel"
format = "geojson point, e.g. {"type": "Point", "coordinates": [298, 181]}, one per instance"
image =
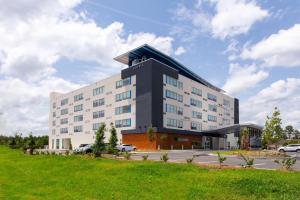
{"type": "Point", "coordinates": [236, 111]}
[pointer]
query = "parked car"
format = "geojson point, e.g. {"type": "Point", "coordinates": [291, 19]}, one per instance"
{"type": "Point", "coordinates": [84, 148]}
{"type": "Point", "coordinates": [289, 148]}
{"type": "Point", "coordinates": [126, 147]}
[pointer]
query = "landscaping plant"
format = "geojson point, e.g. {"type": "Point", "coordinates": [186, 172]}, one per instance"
{"type": "Point", "coordinates": [286, 163]}
{"type": "Point", "coordinates": [164, 157]}
{"type": "Point", "coordinates": [113, 139]}
{"type": "Point", "coordinates": [127, 155]}
{"type": "Point", "coordinates": [99, 145]}
{"type": "Point", "coordinates": [145, 157]}
{"type": "Point", "coordinates": [221, 159]}
{"type": "Point", "coordinates": [248, 161]}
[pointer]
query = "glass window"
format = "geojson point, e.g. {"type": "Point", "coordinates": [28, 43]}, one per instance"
{"type": "Point", "coordinates": [123, 123]}
{"type": "Point", "coordinates": [226, 103]}
{"type": "Point", "coordinates": [212, 108]}
{"type": "Point", "coordinates": [52, 143]}
{"type": "Point", "coordinates": [96, 126]}
{"type": "Point", "coordinates": [212, 118]}
{"type": "Point", "coordinates": [57, 143]}
{"type": "Point", "coordinates": [78, 118]}
{"type": "Point", "coordinates": [78, 108]}
{"type": "Point", "coordinates": [98, 102]}
{"type": "Point", "coordinates": [54, 114]}
{"type": "Point", "coordinates": [64, 102]}
{"type": "Point", "coordinates": [123, 96]}
{"type": "Point", "coordinates": [54, 105]}
{"type": "Point", "coordinates": [64, 121]}
{"type": "Point", "coordinates": [197, 115]}
{"type": "Point", "coordinates": [77, 129]}
{"type": "Point", "coordinates": [78, 97]}
{"type": "Point", "coordinates": [124, 82]}
{"type": "Point", "coordinates": [98, 114]}
{"type": "Point", "coordinates": [196, 126]}
{"type": "Point", "coordinates": [63, 130]}
{"type": "Point", "coordinates": [196, 103]}
{"type": "Point", "coordinates": [174, 123]}
{"type": "Point", "coordinates": [171, 81]}
{"type": "Point", "coordinates": [98, 90]}
{"type": "Point", "coordinates": [212, 97]}
{"type": "Point", "coordinates": [180, 85]}
{"type": "Point", "coordinates": [123, 109]}
{"type": "Point", "coordinates": [64, 111]}
{"type": "Point", "coordinates": [196, 91]}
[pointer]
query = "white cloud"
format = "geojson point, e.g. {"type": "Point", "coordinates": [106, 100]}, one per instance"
{"type": "Point", "coordinates": [243, 78]}
{"type": "Point", "coordinates": [35, 35]}
{"type": "Point", "coordinates": [179, 51]}
{"type": "Point", "coordinates": [280, 49]}
{"type": "Point", "coordinates": [284, 94]}
{"type": "Point", "coordinates": [231, 17]}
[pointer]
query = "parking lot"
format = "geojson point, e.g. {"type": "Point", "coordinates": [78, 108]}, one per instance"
{"type": "Point", "coordinates": [205, 157]}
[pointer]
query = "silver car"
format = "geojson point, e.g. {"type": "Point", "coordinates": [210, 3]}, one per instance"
{"type": "Point", "coordinates": [126, 147]}
{"type": "Point", "coordinates": [290, 148]}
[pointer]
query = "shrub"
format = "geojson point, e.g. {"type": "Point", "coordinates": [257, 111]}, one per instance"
{"type": "Point", "coordinates": [248, 161]}
{"type": "Point", "coordinates": [47, 153]}
{"type": "Point", "coordinates": [53, 153]}
{"type": "Point", "coordinates": [286, 163]}
{"type": "Point", "coordinates": [221, 159]}
{"type": "Point", "coordinates": [164, 157]}
{"type": "Point", "coordinates": [145, 157]}
{"type": "Point", "coordinates": [127, 155]}
{"type": "Point", "coordinates": [190, 160]}
{"type": "Point", "coordinates": [42, 152]}
{"type": "Point", "coordinates": [67, 153]}
{"type": "Point", "coordinates": [37, 153]}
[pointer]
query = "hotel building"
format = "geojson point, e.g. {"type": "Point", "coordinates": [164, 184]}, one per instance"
{"type": "Point", "coordinates": [156, 91]}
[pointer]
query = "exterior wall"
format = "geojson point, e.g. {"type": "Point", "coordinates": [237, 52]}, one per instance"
{"type": "Point", "coordinates": [163, 141]}
{"type": "Point", "coordinates": [223, 112]}
{"type": "Point", "coordinates": [87, 136]}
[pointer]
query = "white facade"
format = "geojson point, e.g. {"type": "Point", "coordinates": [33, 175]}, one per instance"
{"type": "Point", "coordinates": [74, 120]}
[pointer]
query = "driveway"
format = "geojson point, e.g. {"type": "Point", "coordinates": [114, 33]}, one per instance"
{"type": "Point", "coordinates": [205, 157]}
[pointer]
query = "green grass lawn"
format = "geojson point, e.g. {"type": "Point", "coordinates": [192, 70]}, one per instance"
{"type": "Point", "coordinates": [75, 177]}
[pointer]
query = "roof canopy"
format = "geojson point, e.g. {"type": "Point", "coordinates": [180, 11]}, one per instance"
{"type": "Point", "coordinates": [150, 52]}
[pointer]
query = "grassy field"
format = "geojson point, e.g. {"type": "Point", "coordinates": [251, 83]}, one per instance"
{"type": "Point", "coordinates": [76, 177]}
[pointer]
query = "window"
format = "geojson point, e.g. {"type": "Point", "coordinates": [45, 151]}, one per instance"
{"type": "Point", "coordinates": [124, 82]}
{"type": "Point", "coordinates": [212, 108]}
{"type": "Point", "coordinates": [77, 129]}
{"type": "Point", "coordinates": [179, 98]}
{"type": "Point", "coordinates": [196, 91]}
{"type": "Point", "coordinates": [98, 102]}
{"type": "Point", "coordinates": [78, 108]}
{"type": "Point", "coordinates": [54, 105]}
{"type": "Point", "coordinates": [196, 103]}
{"type": "Point", "coordinates": [196, 126]}
{"type": "Point", "coordinates": [226, 103]}
{"type": "Point", "coordinates": [123, 109]}
{"type": "Point", "coordinates": [180, 85]}
{"type": "Point", "coordinates": [64, 121]}
{"type": "Point", "coordinates": [123, 96]}
{"type": "Point", "coordinates": [96, 126]}
{"type": "Point", "coordinates": [57, 143]}
{"type": "Point", "coordinates": [63, 130]}
{"type": "Point", "coordinates": [64, 111]}
{"type": "Point", "coordinates": [98, 90]}
{"type": "Point", "coordinates": [212, 97]}
{"type": "Point", "coordinates": [212, 127]}
{"type": "Point", "coordinates": [174, 95]}
{"type": "Point", "coordinates": [174, 123]}
{"type": "Point", "coordinates": [62, 143]}
{"type": "Point", "coordinates": [53, 123]}
{"type": "Point", "coordinates": [226, 121]}
{"type": "Point", "coordinates": [98, 114]}
{"type": "Point", "coordinates": [174, 109]}
{"type": "Point", "coordinates": [64, 102]}
{"type": "Point", "coordinates": [123, 123]}
{"type": "Point", "coordinates": [52, 143]}
{"type": "Point", "coordinates": [78, 118]}
{"type": "Point", "coordinates": [197, 115]}
{"type": "Point", "coordinates": [180, 111]}
{"type": "Point", "coordinates": [171, 81]}
{"type": "Point", "coordinates": [212, 118]}
{"type": "Point", "coordinates": [78, 97]}
{"type": "Point", "coordinates": [54, 114]}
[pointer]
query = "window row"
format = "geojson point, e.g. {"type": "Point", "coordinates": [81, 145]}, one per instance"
{"type": "Point", "coordinates": [123, 109]}
{"type": "Point", "coordinates": [99, 90]}
{"type": "Point", "coordinates": [174, 123]}
{"type": "Point", "coordinates": [174, 82]}
{"type": "Point", "coordinates": [195, 103]}
{"type": "Point", "coordinates": [173, 95]}
{"type": "Point", "coordinates": [124, 82]}
{"type": "Point", "coordinates": [123, 123]}
{"type": "Point", "coordinates": [174, 109]}
{"type": "Point", "coordinates": [123, 96]}
{"type": "Point", "coordinates": [196, 91]}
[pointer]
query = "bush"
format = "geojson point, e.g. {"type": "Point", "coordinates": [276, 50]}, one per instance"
{"type": "Point", "coordinates": [190, 160]}
{"type": "Point", "coordinates": [221, 159]}
{"type": "Point", "coordinates": [37, 153]}
{"type": "Point", "coordinates": [67, 153]}
{"type": "Point", "coordinates": [53, 153]}
{"type": "Point", "coordinates": [248, 161]}
{"type": "Point", "coordinates": [127, 155]}
{"type": "Point", "coordinates": [42, 152]}
{"type": "Point", "coordinates": [47, 153]}
{"type": "Point", "coordinates": [145, 157]}
{"type": "Point", "coordinates": [286, 163]}
{"type": "Point", "coordinates": [164, 157]}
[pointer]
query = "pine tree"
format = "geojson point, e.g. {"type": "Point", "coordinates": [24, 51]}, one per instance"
{"type": "Point", "coordinates": [31, 144]}
{"type": "Point", "coordinates": [113, 140]}
{"type": "Point", "coordinates": [99, 145]}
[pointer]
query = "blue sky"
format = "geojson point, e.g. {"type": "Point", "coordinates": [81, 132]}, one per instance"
{"type": "Point", "coordinates": [250, 48]}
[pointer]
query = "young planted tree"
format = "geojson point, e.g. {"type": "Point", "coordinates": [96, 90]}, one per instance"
{"type": "Point", "coordinates": [31, 144]}
{"type": "Point", "coordinates": [150, 133]}
{"type": "Point", "coordinates": [248, 161]}
{"type": "Point", "coordinates": [113, 139]}
{"type": "Point", "coordinates": [99, 145]}
{"type": "Point", "coordinates": [221, 159]}
{"type": "Point", "coordinates": [286, 163]}
{"type": "Point", "coordinates": [272, 131]}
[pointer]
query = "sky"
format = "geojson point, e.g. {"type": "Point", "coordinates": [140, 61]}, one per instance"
{"type": "Point", "coordinates": [249, 48]}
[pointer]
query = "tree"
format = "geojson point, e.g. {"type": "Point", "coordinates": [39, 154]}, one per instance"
{"type": "Point", "coordinates": [297, 134]}
{"type": "Point", "coordinates": [245, 139]}
{"type": "Point", "coordinates": [99, 145]}
{"type": "Point", "coordinates": [221, 159]}
{"type": "Point", "coordinates": [150, 133]}
{"type": "Point", "coordinates": [31, 144]}
{"type": "Point", "coordinates": [113, 139]}
{"type": "Point", "coordinates": [289, 130]}
{"type": "Point", "coordinates": [272, 131]}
